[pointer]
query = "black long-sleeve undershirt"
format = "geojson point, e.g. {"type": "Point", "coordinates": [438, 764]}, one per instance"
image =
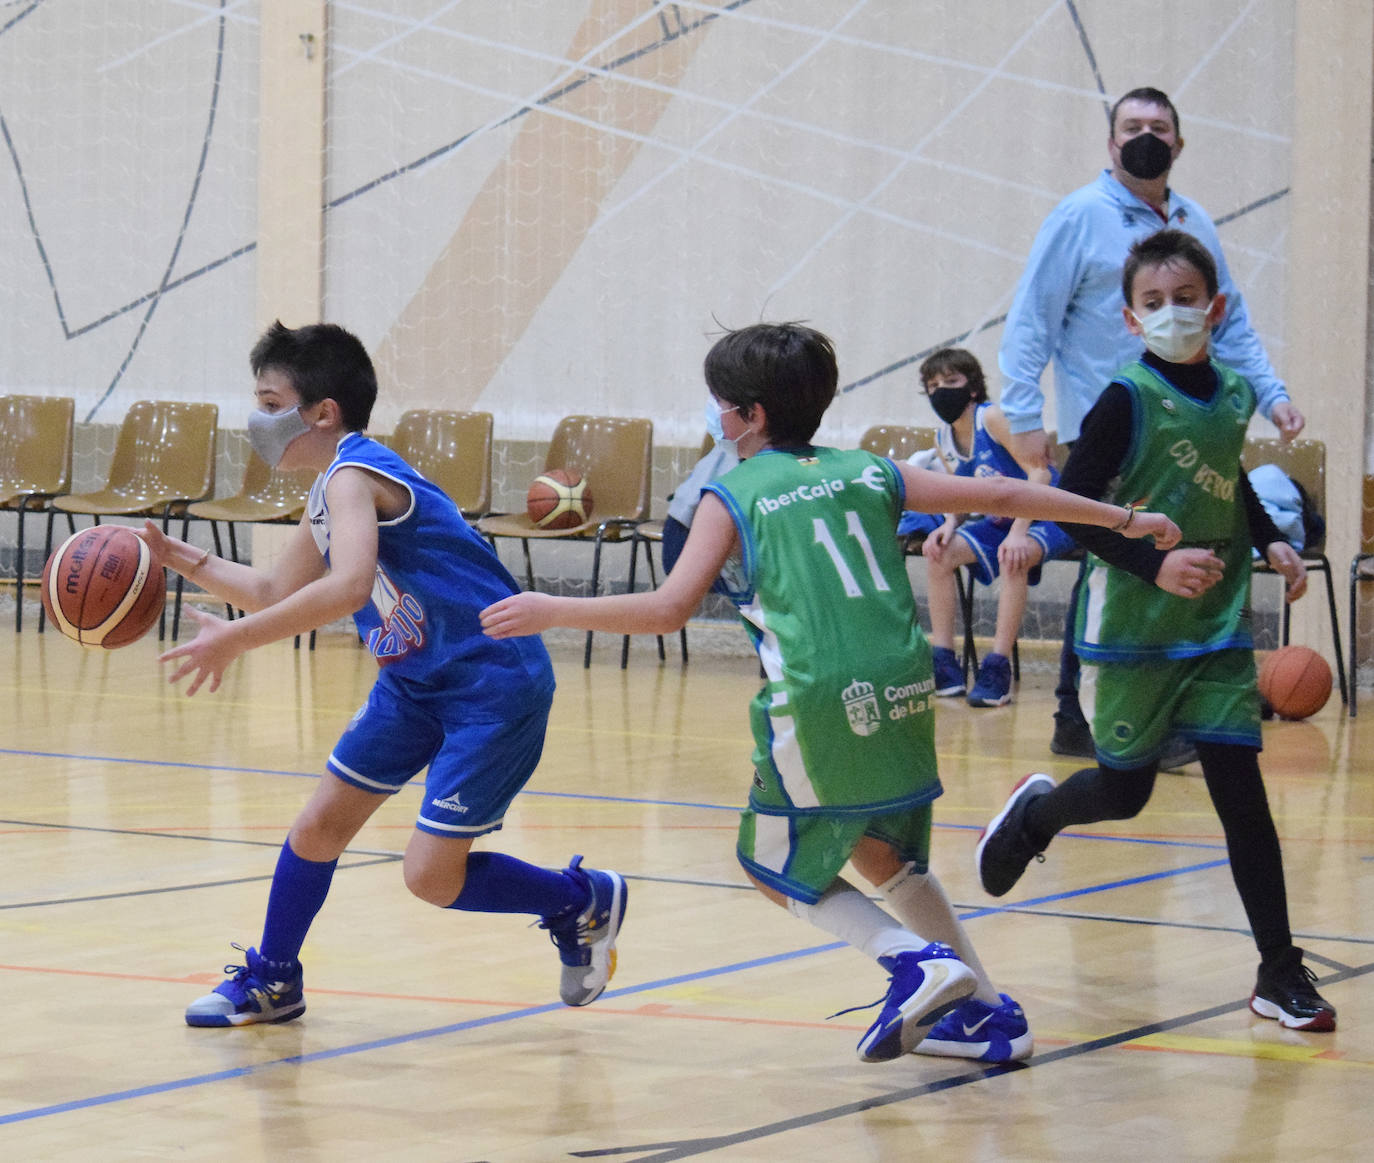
{"type": "Point", "coordinates": [1101, 449]}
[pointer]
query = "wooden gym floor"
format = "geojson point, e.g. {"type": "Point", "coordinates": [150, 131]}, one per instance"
{"type": "Point", "coordinates": [141, 828]}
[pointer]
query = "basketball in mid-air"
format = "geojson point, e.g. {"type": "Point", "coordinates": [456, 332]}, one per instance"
{"type": "Point", "coordinates": [1295, 681]}
{"type": "Point", "coordinates": [559, 499]}
{"type": "Point", "coordinates": [100, 588]}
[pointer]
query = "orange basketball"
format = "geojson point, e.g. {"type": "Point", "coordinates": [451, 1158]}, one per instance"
{"type": "Point", "coordinates": [1295, 681]}
{"type": "Point", "coordinates": [559, 499]}
{"type": "Point", "coordinates": [100, 588]}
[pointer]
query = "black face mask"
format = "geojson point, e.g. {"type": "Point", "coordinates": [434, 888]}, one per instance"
{"type": "Point", "coordinates": [1146, 157]}
{"type": "Point", "coordinates": [949, 403]}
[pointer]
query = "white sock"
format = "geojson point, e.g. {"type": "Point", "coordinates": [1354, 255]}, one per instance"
{"type": "Point", "coordinates": [919, 901]}
{"type": "Point", "coordinates": [844, 912]}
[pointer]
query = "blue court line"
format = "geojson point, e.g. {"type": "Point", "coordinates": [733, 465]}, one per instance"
{"type": "Point", "coordinates": [396, 1039]}
{"type": "Point", "coordinates": [156, 763]}
{"type": "Point", "coordinates": [1107, 886]}
{"type": "Point", "coordinates": [532, 1011]}
{"type": "Point", "coordinates": [1155, 841]}
{"type": "Point", "coordinates": [565, 795]}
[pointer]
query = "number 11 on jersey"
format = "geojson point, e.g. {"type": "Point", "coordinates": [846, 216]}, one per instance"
{"type": "Point", "coordinates": [826, 540]}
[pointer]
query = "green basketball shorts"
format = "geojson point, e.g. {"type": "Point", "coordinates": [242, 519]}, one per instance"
{"type": "Point", "coordinates": [801, 855]}
{"type": "Point", "coordinates": [1134, 706]}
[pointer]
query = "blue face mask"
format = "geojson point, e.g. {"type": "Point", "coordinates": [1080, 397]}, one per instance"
{"type": "Point", "coordinates": [713, 414]}
{"type": "Point", "coordinates": [270, 432]}
{"type": "Point", "coordinates": [713, 428]}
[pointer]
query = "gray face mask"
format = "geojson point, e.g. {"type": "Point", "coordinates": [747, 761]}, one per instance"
{"type": "Point", "coordinates": [270, 432]}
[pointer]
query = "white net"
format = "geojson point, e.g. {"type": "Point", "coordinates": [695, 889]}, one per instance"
{"type": "Point", "coordinates": [539, 209]}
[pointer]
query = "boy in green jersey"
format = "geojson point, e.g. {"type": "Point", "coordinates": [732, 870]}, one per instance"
{"type": "Point", "coordinates": [844, 758]}
{"type": "Point", "coordinates": [1165, 636]}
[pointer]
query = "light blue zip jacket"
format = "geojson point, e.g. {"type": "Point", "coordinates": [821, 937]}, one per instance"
{"type": "Point", "coordinates": [1068, 307]}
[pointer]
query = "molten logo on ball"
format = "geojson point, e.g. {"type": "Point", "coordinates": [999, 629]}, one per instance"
{"type": "Point", "coordinates": [559, 499]}
{"type": "Point", "coordinates": [100, 588]}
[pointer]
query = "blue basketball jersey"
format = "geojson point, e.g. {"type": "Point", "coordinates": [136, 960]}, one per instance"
{"type": "Point", "coordinates": [986, 458]}
{"type": "Point", "coordinates": [435, 574]}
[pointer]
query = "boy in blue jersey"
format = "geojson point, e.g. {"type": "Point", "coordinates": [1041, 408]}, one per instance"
{"type": "Point", "coordinates": [844, 757]}
{"type": "Point", "coordinates": [1165, 637]}
{"type": "Point", "coordinates": [383, 544]}
{"type": "Point", "coordinates": [973, 442]}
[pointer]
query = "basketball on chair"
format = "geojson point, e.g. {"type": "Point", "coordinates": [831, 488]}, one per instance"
{"type": "Point", "coordinates": [559, 499]}
{"type": "Point", "coordinates": [1295, 681]}
{"type": "Point", "coordinates": [100, 588]}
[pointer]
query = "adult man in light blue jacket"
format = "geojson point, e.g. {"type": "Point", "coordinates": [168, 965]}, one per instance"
{"type": "Point", "coordinates": [1068, 310]}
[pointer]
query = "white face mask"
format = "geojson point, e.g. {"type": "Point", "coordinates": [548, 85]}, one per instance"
{"type": "Point", "coordinates": [270, 432]}
{"type": "Point", "coordinates": [1175, 333]}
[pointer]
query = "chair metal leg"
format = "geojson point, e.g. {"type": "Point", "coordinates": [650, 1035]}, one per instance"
{"type": "Point", "coordinates": [965, 588]}
{"type": "Point", "coordinates": [219, 552]}
{"type": "Point", "coordinates": [1354, 630]}
{"type": "Point", "coordinates": [634, 559]}
{"type": "Point", "coordinates": [19, 570]}
{"type": "Point", "coordinates": [47, 553]}
{"type": "Point", "coordinates": [653, 585]}
{"type": "Point", "coordinates": [635, 541]}
{"type": "Point", "coordinates": [181, 582]}
{"type": "Point", "coordinates": [1323, 566]}
{"type": "Point", "coordinates": [529, 564]}
{"type": "Point", "coordinates": [1336, 633]}
{"type": "Point", "coordinates": [596, 588]}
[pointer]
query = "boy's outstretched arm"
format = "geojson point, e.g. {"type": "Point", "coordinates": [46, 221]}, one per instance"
{"type": "Point", "coordinates": [241, 586]}
{"type": "Point", "coordinates": [659, 611]}
{"type": "Point", "coordinates": [314, 601]}
{"type": "Point", "coordinates": [1005, 497]}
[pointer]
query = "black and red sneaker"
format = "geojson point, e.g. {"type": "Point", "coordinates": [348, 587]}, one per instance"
{"type": "Point", "coordinates": [1285, 990]}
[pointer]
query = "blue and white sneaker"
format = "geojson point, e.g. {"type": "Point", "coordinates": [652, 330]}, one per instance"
{"type": "Point", "coordinates": [974, 1029]}
{"type": "Point", "coordinates": [249, 994]}
{"type": "Point", "coordinates": [993, 685]}
{"type": "Point", "coordinates": [586, 940]}
{"type": "Point", "coordinates": [949, 675]}
{"type": "Point", "coordinates": [925, 984]}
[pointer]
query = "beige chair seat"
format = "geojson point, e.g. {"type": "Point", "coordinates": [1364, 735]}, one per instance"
{"type": "Point", "coordinates": [164, 459]}
{"type": "Point", "coordinates": [452, 449]}
{"type": "Point", "coordinates": [614, 454]}
{"type": "Point", "coordinates": [35, 466]}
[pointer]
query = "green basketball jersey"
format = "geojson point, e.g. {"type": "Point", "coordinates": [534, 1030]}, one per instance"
{"type": "Point", "coordinates": [1184, 461]}
{"type": "Point", "coordinates": [844, 721]}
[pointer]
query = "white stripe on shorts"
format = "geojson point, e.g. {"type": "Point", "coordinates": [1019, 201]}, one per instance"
{"type": "Point", "coordinates": [462, 829]}
{"type": "Point", "coordinates": [344, 769]}
{"type": "Point", "coordinates": [772, 842]}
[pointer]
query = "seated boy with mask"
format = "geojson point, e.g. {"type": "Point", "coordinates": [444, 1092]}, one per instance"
{"type": "Point", "coordinates": [974, 441]}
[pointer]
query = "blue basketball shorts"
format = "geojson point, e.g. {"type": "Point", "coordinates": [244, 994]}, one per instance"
{"type": "Point", "coordinates": [476, 765]}
{"type": "Point", "coordinates": [986, 534]}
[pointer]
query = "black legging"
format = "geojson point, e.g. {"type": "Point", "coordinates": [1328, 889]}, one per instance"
{"type": "Point", "coordinates": [1233, 781]}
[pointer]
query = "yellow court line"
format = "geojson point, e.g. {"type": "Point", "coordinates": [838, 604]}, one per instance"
{"type": "Point", "coordinates": [1233, 1048]}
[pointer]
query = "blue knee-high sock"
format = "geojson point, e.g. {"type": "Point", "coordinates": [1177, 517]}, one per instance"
{"type": "Point", "coordinates": [298, 890]}
{"type": "Point", "coordinates": [496, 883]}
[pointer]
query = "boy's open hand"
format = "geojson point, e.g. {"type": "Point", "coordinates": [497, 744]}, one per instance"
{"type": "Point", "coordinates": [1284, 560]}
{"type": "Point", "coordinates": [518, 615]}
{"type": "Point", "coordinates": [1189, 573]}
{"type": "Point", "coordinates": [1156, 525]}
{"type": "Point", "coordinates": [207, 654]}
